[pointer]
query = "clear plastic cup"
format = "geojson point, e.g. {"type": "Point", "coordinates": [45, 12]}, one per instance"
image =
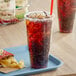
{"type": "Point", "coordinates": [7, 11]}
{"type": "Point", "coordinates": [39, 32]}
{"type": "Point", "coordinates": [66, 15]}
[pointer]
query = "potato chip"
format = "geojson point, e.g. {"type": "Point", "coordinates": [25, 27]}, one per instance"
{"type": "Point", "coordinates": [10, 61]}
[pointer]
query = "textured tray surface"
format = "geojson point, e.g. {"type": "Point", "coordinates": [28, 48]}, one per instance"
{"type": "Point", "coordinates": [21, 52]}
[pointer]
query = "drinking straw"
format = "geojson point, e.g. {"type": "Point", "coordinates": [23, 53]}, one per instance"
{"type": "Point", "coordinates": [51, 9]}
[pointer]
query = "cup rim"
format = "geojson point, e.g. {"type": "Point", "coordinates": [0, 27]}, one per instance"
{"type": "Point", "coordinates": [51, 17]}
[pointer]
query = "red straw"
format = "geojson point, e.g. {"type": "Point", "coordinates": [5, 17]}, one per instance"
{"type": "Point", "coordinates": [51, 9]}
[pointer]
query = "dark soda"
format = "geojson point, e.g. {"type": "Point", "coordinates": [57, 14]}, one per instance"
{"type": "Point", "coordinates": [66, 14]}
{"type": "Point", "coordinates": [38, 32]}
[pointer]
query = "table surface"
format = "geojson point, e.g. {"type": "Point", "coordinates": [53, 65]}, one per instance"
{"type": "Point", "coordinates": [63, 45]}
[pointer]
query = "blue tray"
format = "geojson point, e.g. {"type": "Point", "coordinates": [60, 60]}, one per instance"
{"type": "Point", "coordinates": [21, 52]}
